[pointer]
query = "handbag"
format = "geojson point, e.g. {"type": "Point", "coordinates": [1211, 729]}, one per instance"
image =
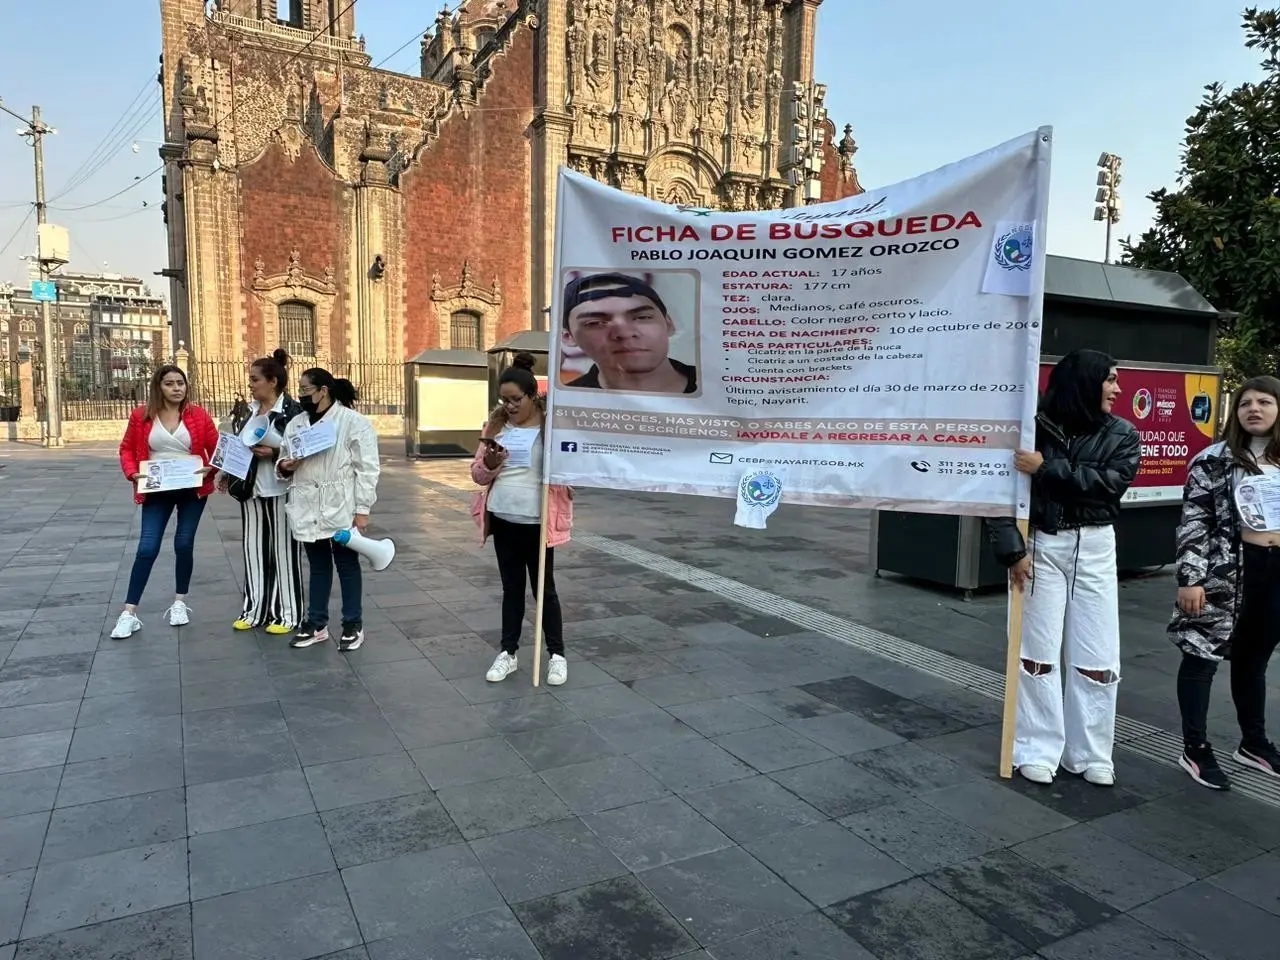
{"type": "Point", "coordinates": [242, 490]}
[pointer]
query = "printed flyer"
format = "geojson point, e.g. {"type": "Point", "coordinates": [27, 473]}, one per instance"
{"type": "Point", "coordinates": [879, 351]}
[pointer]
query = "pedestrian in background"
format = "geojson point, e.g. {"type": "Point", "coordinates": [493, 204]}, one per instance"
{"type": "Point", "coordinates": [508, 467]}
{"type": "Point", "coordinates": [1084, 461]}
{"type": "Point", "coordinates": [1228, 570]}
{"type": "Point", "coordinates": [166, 428]}
{"type": "Point", "coordinates": [272, 557]}
{"type": "Point", "coordinates": [331, 491]}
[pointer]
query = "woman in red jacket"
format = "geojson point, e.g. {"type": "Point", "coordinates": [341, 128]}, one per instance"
{"type": "Point", "coordinates": [168, 427]}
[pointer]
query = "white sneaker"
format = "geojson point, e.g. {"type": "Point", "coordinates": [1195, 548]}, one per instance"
{"type": "Point", "coordinates": [558, 671]}
{"type": "Point", "coordinates": [126, 626]}
{"type": "Point", "coordinates": [1100, 776]}
{"type": "Point", "coordinates": [1036, 773]}
{"type": "Point", "coordinates": [178, 615]}
{"type": "Point", "coordinates": [503, 667]}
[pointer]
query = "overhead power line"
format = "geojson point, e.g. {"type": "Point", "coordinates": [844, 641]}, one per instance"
{"type": "Point", "coordinates": [95, 153]}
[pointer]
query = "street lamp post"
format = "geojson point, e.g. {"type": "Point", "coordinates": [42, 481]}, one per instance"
{"type": "Point", "coordinates": [1108, 197]}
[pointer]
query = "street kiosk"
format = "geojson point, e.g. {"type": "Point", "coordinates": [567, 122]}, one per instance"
{"type": "Point", "coordinates": [448, 403]}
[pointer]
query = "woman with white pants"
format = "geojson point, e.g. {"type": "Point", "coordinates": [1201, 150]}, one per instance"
{"type": "Point", "coordinates": [1084, 461]}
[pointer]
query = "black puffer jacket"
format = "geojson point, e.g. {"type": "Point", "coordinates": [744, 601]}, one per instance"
{"type": "Point", "coordinates": [1079, 485]}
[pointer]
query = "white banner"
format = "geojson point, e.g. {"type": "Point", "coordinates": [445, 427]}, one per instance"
{"type": "Point", "coordinates": [879, 351]}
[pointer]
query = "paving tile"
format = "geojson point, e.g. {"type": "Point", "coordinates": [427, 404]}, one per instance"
{"type": "Point", "coordinates": [18, 693]}
{"type": "Point", "coordinates": [494, 935]}
{"type": "Point", "coordinates": [258, 855]}
{"type": "Point", "coordinates": [104, 683]}
{"type": "Point", "coordinates": [545, 860]}
{"type": "Point", "coordinates": [523, 714]}
{"type": "Point", "coordinates": [415, 891]}
{"type": "Point", "coordinates": [227, 724]}
{"type": "Point", "coordinates": [33, 750]}
{"type": "Point", "coordinates": [328, 730]}
{"type": "Point", "coordinates": [996, 811]}
{"type": "Point", "coordinates": [15, 890]}
{"type": "Point", "coordinates": [1198, 915]}
{"type": "Point", "coordinates": [30, 791]}
{"type": "Point", "coordinates": [156, 935]}
{"type": "Point", "coordinates": [138, 705]}
{"type": "Point", "coordinates": [769, 749]}
{"type": "Point", "coordinates": [348, 782]}
{"type": "Point", "coordinates": [228, 693]}
{"type": "Point", "coordinates": [430, 727]}
{"type": "Point", "coordinates": [38, 718]}
{"type": "Point", "coordinates": [475, 761]}
{"type": "Point", "coordinates": [643, 731]}
{"type": "Point", "coordinates": [1120, 939]}
{"type": "Point", "coordinates": [692, 765]}
{"type": "Point", "coordinates": [1188, 843]}
{"type": "Point", "coordinates": [207, 761]}
{"type": "Point", "coordinates": [1073, 797]}
{"type": "Point", "coordinates": [723, 894]}
{"type": "Point", "coordinates": [127, 776]}
{"type": "Point", "coordinates": [912, 768]}
{"type": "Point", "coordinates": [75, 893]}
{"type": "Point", "coordinates": [827, 863]}
{"type": "Point", "coordinates": [126, 738]}
{"type": "Point", "coordinates": [810, 937]}
{"type": "Point", "coordinates": [914, 921]}
{"type": "Point", "coordinates": [615, 920]}
{"type": "Point", "coordinates": [476, 689]}
{"type": "Point", "coordinates": [909, 719]}
{"type": "Point", "coordinates": [677, 688]}
{"type": "Point", "coordinates": [749, 809]}
{"type": "Point", "coordinates": [388, 828]}
{"type": "Point", "coordinates": [1256, 881]}
{"type": "Point", "coordinates": [1110, 870]}
{"type": "Point", "coordinates": [496, 806]}
{"type": "Point", "coordinates": [58, 665]}
{"type": "Point", "coordinates": [1020, 899]}
{"type": "Point", "coordinates": [602, 784]}
{"type": "Point", "coordinates": [603, 701]}
{"type": "Point", "coordinates": [267, 924]}
{"type": "Point", "coordinates": [788, 703]}
{"type": "Point", "coordinates": [111, 825]}
{"type": "Point", "coordinates": [656, 832]}
{"type": "Point", "coordinates": [225, 804]}
{"type": "Point", "coordinates": [559, 746]}
{"type": "Point", "coordinates": [21, 838]}
{"type": "Point", "coordinates": [844, 734]}
{"type": "Point", "coordinates": [838, 788]}
{"type": "Point", "coordinates": [918, 836]}
{"type": "Point", "coordinates": [714, 718]}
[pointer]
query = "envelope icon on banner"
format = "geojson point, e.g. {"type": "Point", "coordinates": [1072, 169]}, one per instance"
{"type": "Point", "coordinates": [722, 458]}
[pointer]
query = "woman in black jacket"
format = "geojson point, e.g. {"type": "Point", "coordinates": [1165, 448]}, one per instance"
{"type": "Point", "coordinates": [1084, 461]}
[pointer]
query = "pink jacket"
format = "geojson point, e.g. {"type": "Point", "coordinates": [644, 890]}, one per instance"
{"type": "Point", "coordinates": [559, 504]}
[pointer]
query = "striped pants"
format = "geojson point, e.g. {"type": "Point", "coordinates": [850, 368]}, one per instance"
{"type": "Point", "coordinates": [272, 564]}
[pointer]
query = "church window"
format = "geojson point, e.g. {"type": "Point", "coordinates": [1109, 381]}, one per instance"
{"type": "Point", "coordinates": [297, 328]}
{"type": "Point", "coordinates": [289, 12]}
{"type": "Point", "coordinates": [464, 330]}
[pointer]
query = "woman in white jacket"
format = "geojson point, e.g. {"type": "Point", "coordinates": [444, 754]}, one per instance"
{"type": "Point", "coordinates": [331, 491]}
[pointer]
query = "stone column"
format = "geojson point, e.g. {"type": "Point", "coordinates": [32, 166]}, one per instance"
{"type": "Point", "coordinates": [551, 129]}
{"type": "Point", "coordinates": [26, 389]}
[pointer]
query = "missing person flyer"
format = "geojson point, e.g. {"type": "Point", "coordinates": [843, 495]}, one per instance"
{"type": "Point", "coordinates": [878, 351]}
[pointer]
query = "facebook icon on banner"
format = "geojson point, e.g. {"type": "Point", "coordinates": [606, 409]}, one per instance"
{"type": "Point", "coordinates": [568, 446]}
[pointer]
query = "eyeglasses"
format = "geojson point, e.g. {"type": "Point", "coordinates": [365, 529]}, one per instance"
{"type": "Point", "coordinates": [511, 401]}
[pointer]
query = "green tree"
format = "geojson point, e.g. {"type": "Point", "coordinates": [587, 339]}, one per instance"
{"type": "Point", "coordinates": [1220, 229]}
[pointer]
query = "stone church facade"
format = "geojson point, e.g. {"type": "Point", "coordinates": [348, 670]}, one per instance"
{"type": "Point", "coordinates": [351, 213]}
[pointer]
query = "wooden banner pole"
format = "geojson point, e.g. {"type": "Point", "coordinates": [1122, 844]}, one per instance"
{"type": "Point", "coordinates": [1012, 671]}
{"type": "Point", "coordinates": [542, 586]}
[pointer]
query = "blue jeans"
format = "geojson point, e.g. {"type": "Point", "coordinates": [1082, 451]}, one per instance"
{"type": "Point", "coordinates": [322, 557]}
{"type": "Point", "coordinates": [156, 510]}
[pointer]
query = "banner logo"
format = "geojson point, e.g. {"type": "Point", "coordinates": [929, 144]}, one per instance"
{"type": "Point", "coordinates": [1142, 403]}
{"type": "Point", "coordinates": [1015, 250]}
{"type": "Point", "coordinates": [760, 489]}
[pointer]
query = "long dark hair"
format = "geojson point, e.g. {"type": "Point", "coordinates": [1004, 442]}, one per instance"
{"type": "Point", "coordinates": [155, 397]}
{"type": "Point", "coordinates": [1239, 439]}
{"type": "Point", "coordinates": [342, 391]}
{"type": "Point", "coordinates": [521, 374]}
{"type": "Point", "coordinates": [1073, 398]}
{"type": "Point", "coordinates": [274, 367]}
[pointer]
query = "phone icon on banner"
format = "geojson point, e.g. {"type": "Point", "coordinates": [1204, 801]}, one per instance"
{"type": "Point", "coordinates": [1201, 408]}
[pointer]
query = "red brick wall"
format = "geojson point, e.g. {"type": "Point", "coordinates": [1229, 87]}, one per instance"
{"type": "Point", "coordinates": [468, 199]}
{"type": "Point", "coordinates": [288, 205]}
{"type": "Point", "coordinates": [834, 185]}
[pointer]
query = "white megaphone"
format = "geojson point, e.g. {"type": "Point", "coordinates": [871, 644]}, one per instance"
{"type": "Point", "coordinates": [260, 430]}
{"type": "Point", "coordinates": [379, 552]}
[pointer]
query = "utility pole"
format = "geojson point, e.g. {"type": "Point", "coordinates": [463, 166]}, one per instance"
{"type": "Point", "coordinates": [51, 250]}
{"type": "Point", "coordinates": [1108, 196]}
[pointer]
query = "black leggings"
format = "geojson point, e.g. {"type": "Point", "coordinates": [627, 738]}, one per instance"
{"type": "Point", "coordinates": [1256, 632]}
{"type": "Point", "coordinates": [516, 545]}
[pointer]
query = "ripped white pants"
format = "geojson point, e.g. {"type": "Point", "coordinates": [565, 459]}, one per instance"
{"type": "Point", "coordinates": [1070, 629]}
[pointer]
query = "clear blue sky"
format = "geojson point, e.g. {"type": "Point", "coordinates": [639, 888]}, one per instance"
{"type": "Point", "coordinates": [923, 83]}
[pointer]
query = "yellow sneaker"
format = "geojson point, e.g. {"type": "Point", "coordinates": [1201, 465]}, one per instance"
{"type": "Point", "coordinates": [278, 629]}
{"type": "Point", "coordinates": [242, 624]}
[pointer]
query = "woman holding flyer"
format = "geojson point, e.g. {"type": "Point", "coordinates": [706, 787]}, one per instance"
{"type": "Point", "coordinates": [272, 557]}
{"type": "Point", "coordinates": [508, 466]}
{"type": "Point", "coordinates": [1228, 570]}
{"type": "Point", "coordinates": [331, 455]}
{"type": "Point", "coordinates": [1084, 461]}
{"type": "Point", "coordinates": [169, 429]}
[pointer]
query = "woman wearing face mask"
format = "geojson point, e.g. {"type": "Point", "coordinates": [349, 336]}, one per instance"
{"type": "Point", "coordinates": [1084, 461]}
{"type": "Point", "coordinates": [272, 557]}
{"type": "Point", "coordinates": [331, 491]}
{"type": "Point", "coordinates": [1228, 571]}
{"type": "Point", "coordinates": [508, 466]}
{"type": "Point", "coordinates": [168, 427]}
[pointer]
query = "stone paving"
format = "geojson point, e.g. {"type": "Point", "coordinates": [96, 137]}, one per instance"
{"type": "Point", "coordinates": [712, 781]}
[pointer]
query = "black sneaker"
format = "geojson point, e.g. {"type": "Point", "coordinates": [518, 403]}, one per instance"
{"type": "Point", "coordinates": [1203, 767]}
{"type": "Point", "coordinates": [1265, 758]}
{"type": "Point", "coordinates": [352, 635]}
{"type": "Point", "coordinates": [309, 634]}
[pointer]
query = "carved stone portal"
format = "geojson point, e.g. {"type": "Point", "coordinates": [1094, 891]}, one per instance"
{"type": "Point", "coordinates": [466, 297]}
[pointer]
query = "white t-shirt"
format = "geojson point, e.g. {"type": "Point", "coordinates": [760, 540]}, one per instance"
{"type": "Point", "coordinates": [265, 481]}
{"type": "Point", "coordinates": [517, 492]}
{"type": "Point", "coordinates": [1249, 510]}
